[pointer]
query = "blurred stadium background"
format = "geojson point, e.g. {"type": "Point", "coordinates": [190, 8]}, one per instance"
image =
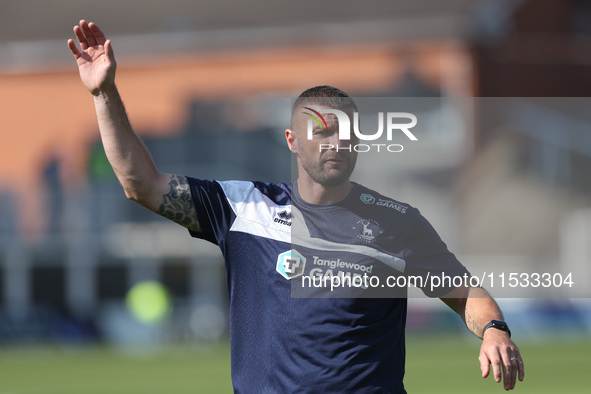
{"type": "Point", "coordinates": [207, 85]}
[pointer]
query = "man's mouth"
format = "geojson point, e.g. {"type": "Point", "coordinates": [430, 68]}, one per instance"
{"type": "Point", "coordinates": [334, 160]}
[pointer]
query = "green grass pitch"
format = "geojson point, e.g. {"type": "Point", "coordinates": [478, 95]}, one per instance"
{"type": "Point", "coordinates": [450, 365]}
{"type": "Point", "coordinates": [434, 365]}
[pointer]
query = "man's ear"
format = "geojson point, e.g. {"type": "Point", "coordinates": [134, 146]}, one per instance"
{"type": "Point", "coordinates": [290, 137]}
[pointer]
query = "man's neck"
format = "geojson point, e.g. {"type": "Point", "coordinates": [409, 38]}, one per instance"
{"type": "Point", "coordinates": [315, 193]}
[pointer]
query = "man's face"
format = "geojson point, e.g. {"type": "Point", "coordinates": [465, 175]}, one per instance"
{"type": "Point", "coordinates": [327, 166]}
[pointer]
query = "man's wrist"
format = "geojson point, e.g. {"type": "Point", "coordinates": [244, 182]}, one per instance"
{"type": "Point", "coordinates": [105, 91]}
{"type": "Point", "coordinates": [497, 325]}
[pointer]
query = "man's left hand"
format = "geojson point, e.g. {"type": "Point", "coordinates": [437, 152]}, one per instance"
{"type": "Point", "coordinates": [499, 351]}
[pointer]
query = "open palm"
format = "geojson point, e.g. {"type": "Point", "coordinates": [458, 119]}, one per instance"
{"type": "Point", "coordinates": [95, 58]}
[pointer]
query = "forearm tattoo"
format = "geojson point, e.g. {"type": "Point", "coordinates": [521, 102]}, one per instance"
{"type": "Point", "coordinates": [471, 324]}
{"type": "Point", "coordinates": [177, 204]}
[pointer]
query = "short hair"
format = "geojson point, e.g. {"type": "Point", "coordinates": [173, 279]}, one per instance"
{"type": "Point", "coordinates": [325, 95]}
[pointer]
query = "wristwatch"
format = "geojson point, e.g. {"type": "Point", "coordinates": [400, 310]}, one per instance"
{"type": "Point", "coordinates": [499, 325]}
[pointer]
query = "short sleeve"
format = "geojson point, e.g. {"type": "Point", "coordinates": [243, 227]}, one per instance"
{"type": "Point", "coordinates": [214, 213]}
{"type": "Point", "coordinates": [427, 256]}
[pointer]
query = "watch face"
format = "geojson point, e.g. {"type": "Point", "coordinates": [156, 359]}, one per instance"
{"type": "Point", "coordinates": [500, 325]}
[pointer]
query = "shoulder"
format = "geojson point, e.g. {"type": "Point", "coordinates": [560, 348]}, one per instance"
{"type": "Point", "coordinates": [380, 203]}
{"type": "Point", "coordinates": [279, 193]}
{"type": "Point", "coordinates": [237, 190]}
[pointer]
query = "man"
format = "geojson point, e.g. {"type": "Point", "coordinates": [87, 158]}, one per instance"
{"type": "Point", "coordinates": [282, 343]}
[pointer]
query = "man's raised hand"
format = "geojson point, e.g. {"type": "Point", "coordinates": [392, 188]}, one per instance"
{"type": "Point", "coordinates": [95, 58]}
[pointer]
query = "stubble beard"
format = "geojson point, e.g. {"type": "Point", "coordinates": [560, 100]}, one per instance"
{"type": "Point", "coordinates": [329, 177]}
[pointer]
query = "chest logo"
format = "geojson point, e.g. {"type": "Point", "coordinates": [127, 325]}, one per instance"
{"type": "Point", "coordinates": [367, 198]}
{"type": "Point", "coordinates": [291, 264]}
{"type": "Point", "coordinates": [368, 229]}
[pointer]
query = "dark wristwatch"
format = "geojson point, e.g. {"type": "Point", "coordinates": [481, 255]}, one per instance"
{"type": "Point", "coordinates": [499, 325]}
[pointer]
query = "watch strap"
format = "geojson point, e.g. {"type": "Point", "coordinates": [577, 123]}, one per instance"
{"type": "Point", "coordinates": [499, 325]}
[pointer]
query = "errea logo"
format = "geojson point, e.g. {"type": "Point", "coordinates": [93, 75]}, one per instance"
{"type": "Point", "coordinates": [291, 264]}
{"type": "Point", "coordinates": [283, 217]}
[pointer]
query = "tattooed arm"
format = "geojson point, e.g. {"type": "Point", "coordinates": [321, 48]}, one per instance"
{"type": "Point", "coordinates": [177, 204]}
{"type": "Point", "coordinates": [165, 194]}
{"type": "Point", "coordinates": [477, 308]}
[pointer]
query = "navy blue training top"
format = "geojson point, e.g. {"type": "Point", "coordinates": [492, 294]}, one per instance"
{"type": "Point", "coordinates": [289, 336]}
